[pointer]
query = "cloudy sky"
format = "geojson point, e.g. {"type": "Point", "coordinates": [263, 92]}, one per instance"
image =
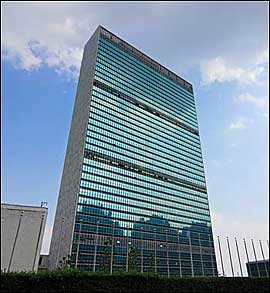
{"type": "Point", "coordinates": [221, 48]}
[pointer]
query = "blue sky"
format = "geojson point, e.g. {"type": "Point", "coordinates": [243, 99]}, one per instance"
{"type": "Point", "coordinates": [221, 48]}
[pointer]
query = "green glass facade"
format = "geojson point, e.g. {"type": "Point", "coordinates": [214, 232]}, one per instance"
{"type": "Point", "coordinates": [142, 202]}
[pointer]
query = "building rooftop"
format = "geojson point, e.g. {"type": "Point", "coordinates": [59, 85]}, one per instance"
{"type": "Point", "coordinates": [22, 207]}
{"type": "Point", "coordinates": [258, 261]}
{"type": "Point", "coordinates": [146, 59]}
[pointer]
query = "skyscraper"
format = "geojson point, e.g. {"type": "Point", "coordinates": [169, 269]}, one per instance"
{"type": "Point", "coordinates": [133, 194]}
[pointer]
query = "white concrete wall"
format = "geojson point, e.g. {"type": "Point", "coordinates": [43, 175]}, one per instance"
{"type": "Point", "coordinates": [29, 230]}
{"type": "Point", "coordinates": [63, 229]}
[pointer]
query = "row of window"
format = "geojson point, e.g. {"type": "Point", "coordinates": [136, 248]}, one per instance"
{"type": "Point", "coordinates": [87, 233]}
{"type": "Point", "coordinates": [120, 258]}
{"type": "Point", "coordinates": [148, 147]}
{"type": "Point", "coordinates": [146, 70]}
{"type": "Point", "coordinates": [160, 270]}
{"type": "Point", "coordinates": [128, 205]}
{"type": "Point", "coordinates": [117, 159]}
{"type": "Point", "coordinates": [156, 100]}
{"type": "Point", "coordinates": [111, 82]}
{"type": "Point", "coordinates": [127, 200]}
{"type": "Point", "coordinates": [176, 130]}
{"type": "Point", "coordinates": [145, 236]}
{"type": "Point", "coordinates": [100, 140]}
{"type": "Point", "coordinates": [146, 119]}
{"type": "Point", "coordinates": [161, 260]}
{"type": "Point", "coordinates": [137, 193]}
{"type": "Point", "coordinates": [151, 148]}
{"type": "Point", "coordinates": [149, 160]}
{"type": "Point", "coordinates": [125, 212]}
{"type": "Point", "coordinates": [112, 61]}
{"type": "Point", "coordinates": [104, 147]}
{"type": "Point", "coordinates": [130, 90]}
{"type": "Point", "coordinates": [177, 92]}
{"type": "Point", "coordinates": [105, 117]}
{"type": "Point", "coordinates": [154, 228]}
{"type": "Point", "coordinates": [146, 188]}
{"type": "Point", "coordinates": [188, 111]}
{"type": "Point", "coordinates": [160, 253]}
{"type": "Point", "coordinates": [165, 187]}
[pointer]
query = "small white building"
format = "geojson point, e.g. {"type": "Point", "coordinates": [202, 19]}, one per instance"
{"type": "Point", "coordinates": [22, 231]}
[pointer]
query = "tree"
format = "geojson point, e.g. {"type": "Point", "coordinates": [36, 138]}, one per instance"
{"type": "Point", "coordinates": [132, 255]}
{"type": "Point", "coordinates": [151, 263]}
{"type": "Point", "coordinates": [65, 262]}
{"type": "Point", "coordinates": [106, 256]}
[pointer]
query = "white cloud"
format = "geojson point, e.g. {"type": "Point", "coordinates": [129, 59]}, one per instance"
{"type": "Point", "coordinates": [259, 103]}
{"type": "Point", "coordinates": [238, 124]}
{"type": "Point", "coordinates": [62, 28]}
{"type": "Point", "coordinates": [218, 70]}
{"type": "Point", "coordinates": [263, 57]}
{"type": "Point", "coordinates": [36, 35]}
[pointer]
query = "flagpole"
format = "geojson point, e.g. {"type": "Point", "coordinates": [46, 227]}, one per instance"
{"type": "Point", "coordinates": [229, 249]}
{"type": "Point", "coordinates": [238, 257]}
{"type": "Point", "coordinates": [223, 272]}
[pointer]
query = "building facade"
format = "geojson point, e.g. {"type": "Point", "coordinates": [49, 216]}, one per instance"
{"type": "Point", "coordinates": [22, 231]}
{"type": "Point", "coordinates": [133, 193]}
{"type": "Point", "coordinates": [258, 268]}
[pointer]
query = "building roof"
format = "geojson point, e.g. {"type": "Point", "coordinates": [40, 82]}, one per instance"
{"type": "Point", "coordinates": [23, 207]}
{"type": "Point", "coordinates": [258, 261]}
{"type": "Point", "coordinates": [146, 59]}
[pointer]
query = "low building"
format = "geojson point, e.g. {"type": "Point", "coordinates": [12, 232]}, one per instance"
{"type": "Point", "coordinates": [258, 268]}
{"type": "Point", "coordinates": [22, 231]}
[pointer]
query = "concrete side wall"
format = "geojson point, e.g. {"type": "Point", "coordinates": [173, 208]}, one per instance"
{"type": "Point", "coordinates": [29, 225]}
{"type": "Point", "coordinates": [67, 200]}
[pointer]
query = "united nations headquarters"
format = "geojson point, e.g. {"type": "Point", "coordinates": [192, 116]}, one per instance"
{"type": "Point", "coordinates": [133, 194]}
{"type": "Point", "coordinates": [126, 132]}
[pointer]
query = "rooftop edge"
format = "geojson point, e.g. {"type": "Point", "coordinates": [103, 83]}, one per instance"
{"type": "Point", "coordinates": [146, 59]}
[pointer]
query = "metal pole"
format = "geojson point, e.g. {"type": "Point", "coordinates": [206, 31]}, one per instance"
{"type": "Point", "coordinates": [60, 239]}
{"type": "Point", "coordinates": [141, 250]}
{"type": "Point", "coordinates": [168, 264]}
{"type": "Point", "coordinates": [127, 251]}
{"type": "Point", "coordinates": [237, 249]}
{"type": "Point", "coordinates": [264, 259]}
{"type": "Point", "coordinates": [229, 249]}
{"type": "Point", "coordinates": [211, 256]}
{"type": "Point", "coordinates": [179, 255]}
{"type": "Point", "coordinates": [38, 239]}
{"type": "Point", "coordinates": [78, 246]}
{"type": "Point", "coordinates": [95, 252]}
{"type": "Point", "coordinates": [191, 257]}
{"type": "Point", "coordinates": [155, 251]}
{"type": "Point", "coordinates": [255, 257]}
{"type": "Point", "coordinates": [201, 254]}
{"type": "Point", "coordinates": [223, 272]}
{"type": "Point", "coordinates": [247, 256]}
{"type": "Point", "coordinates": [111, 267]}
{"type": "Point", "coordinates": [15, 241]}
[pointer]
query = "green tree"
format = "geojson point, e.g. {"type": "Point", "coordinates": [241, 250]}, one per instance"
{"type": "Point", "coordinates": [132, 255]}
{"type": "Point", "coordinates": [151, 263]}
{"type": "Point", "coordinates": [106, 252]}
{"type": "Point", "coordinates": [65, 262]}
